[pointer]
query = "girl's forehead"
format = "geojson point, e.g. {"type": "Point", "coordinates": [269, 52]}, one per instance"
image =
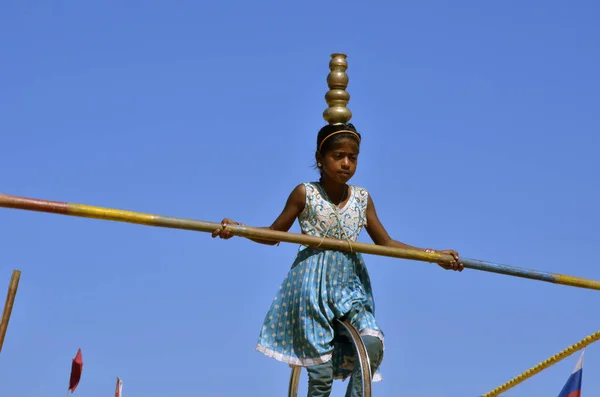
{"type": "Point", "coordinates": [345, 144]}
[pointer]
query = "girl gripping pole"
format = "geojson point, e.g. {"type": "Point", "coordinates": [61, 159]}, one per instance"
{"type": "Point", "coordinates": [324, 285]}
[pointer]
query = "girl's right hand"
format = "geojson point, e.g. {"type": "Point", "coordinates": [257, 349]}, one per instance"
{"type": "Point", "coordinates": [224, 232]}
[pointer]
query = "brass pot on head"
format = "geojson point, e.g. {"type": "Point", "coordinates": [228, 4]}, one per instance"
{"type": "Point", "coordinates": [337, 97]}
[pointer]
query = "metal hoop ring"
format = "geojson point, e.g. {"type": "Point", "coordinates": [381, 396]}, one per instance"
{"type": "Point", "coordinates": [363, 360]}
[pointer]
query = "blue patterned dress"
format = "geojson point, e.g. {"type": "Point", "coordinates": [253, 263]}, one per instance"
{"type": "Point", "coordinates": [323, 285]}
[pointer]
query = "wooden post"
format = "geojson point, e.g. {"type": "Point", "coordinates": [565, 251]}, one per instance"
{"type": "Point", "coordinates": [10, 300]}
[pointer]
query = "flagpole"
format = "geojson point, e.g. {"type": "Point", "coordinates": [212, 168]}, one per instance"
{"type": "Point", "coordinates": [8, 306]}
{"type": "Point", "coordinates": [110, 214]}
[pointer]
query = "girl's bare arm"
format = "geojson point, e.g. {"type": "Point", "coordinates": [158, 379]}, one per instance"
{"type": "Point", "coordinates": [378, 233]}
{"type": "Point", "coordinates": [293, 207]}
{"type": "Point", "coordinates": [380, 236]}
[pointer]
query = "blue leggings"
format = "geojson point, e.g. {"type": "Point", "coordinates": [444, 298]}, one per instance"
{"type": "Point", "coordinates": [320, 377]}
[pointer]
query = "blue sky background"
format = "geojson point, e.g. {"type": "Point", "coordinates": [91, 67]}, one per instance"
{"type": "Point", "coordinates": [481, 134]}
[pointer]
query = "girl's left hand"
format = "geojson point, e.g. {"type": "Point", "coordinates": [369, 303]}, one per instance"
{"type": "Point", "coordinates": [455, 264]}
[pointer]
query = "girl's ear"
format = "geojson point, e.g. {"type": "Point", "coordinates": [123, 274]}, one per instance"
{"type": "Point", "coordinates": [319, 159]}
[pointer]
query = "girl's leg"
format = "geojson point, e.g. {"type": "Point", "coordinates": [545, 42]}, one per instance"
{"type": "Point", "coordinates": [320, 379]}
{"type": "Point", "coordinates": [374, 350]}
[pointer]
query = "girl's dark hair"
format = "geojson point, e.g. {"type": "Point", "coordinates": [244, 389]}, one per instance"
{"type": "Point", "coordinates": [329, 129]}
{"type": "Point", "coordinates": [325, 137]}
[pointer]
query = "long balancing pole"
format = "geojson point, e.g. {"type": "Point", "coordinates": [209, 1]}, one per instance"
{"type": "Point", "coordinates": [88, 211]}
{"type": "Point", "coordinates": [10, 300]}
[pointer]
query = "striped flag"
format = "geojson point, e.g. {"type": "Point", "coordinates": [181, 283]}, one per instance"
{"type": "Point", "coordinates": [573, 386]}
{"type": "Point", "coordinates": [119, 388]}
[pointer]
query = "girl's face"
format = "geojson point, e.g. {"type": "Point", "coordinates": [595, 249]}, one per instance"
{"type": "Point", "coordinates": [339, 162]}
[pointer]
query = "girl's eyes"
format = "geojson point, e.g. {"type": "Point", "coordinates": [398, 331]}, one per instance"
{"type": "Point", "coordinates": [339, 156]}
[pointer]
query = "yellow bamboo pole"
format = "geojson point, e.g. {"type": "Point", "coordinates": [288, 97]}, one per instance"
{"type": "Point", "coordinates": [111, 214]}
{"type": "Point", "coordinates": [544, 364]}
{"type": "Point", "coordinates": [10, 300]}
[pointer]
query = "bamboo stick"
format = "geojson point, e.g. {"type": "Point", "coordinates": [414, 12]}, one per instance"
{"type": "Point", "coordinates": [88, 211]}
{"type": "Point", "coordinates": [10, 300]}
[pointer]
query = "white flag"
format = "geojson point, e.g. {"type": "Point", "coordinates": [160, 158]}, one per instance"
{"type": "Point", "coordinates": [119, 388]}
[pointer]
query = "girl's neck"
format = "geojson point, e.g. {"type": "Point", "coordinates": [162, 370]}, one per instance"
{"type": "Point", "coordinates": [335, 191]}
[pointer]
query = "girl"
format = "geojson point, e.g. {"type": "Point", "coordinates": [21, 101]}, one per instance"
{"type": "Point", "coordinates": [324, 285]}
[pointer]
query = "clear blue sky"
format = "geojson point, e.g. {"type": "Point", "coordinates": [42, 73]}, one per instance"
{"type": "Point", "coordinates": [481, 134]}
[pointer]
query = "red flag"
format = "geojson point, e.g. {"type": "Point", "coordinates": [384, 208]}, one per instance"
{"type": "Point", "coordinates": [76, 368]}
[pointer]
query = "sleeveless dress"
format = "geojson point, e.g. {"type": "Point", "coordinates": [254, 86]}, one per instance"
{"type": "Point", "coordinates": [323, 285]}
